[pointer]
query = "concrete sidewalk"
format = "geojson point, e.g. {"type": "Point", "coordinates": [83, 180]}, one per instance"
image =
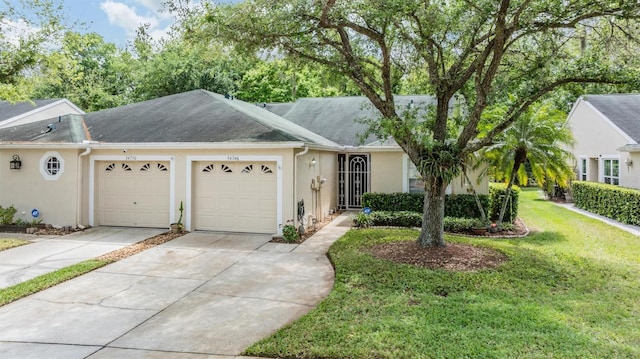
{"type": "Point", "coordinates": [203, 295]}
{"type": "Point", "coordinates": [635, 230]}
{"type": "Point", "coordinates": [49, 253]}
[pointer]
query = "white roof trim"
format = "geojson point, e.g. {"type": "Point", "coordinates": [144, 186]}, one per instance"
{"type": "Point", "coordinates": [42, 108]}
{"type": "Point", "coordinates": [47, 145]}
{"type": "Point", "coordinates": [629, 148]}
{"type": "Point", "coordinates": [610, 123]}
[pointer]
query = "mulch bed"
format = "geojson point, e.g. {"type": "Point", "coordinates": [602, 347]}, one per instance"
{"type": "Point", "coordinates": [309, 232]}
{"type": "Point", "coordinates": [520, 230]}
{"type": "Point", "coordinates": [452, 257]}
{"type": "Point", "coordinates": [459, 257]}
{"type": "Point", "coordinates": [140, 246]}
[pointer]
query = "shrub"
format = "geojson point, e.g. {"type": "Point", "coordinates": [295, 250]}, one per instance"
{"type": "Point", "coordinates": [464, 205]}
{"type": "Point", "coordinates": [362, 220]}
{"type": "Point", "coordinates": [497, 193]}
{"type": "Point", "coordinates": [388, 218]}
{"type": "Point", "coordinates": [413, 219]}
{"type": "Point", "coordinates": [457, 205]}
{"type": "Point", "coordinates": [290, 233]}
{"type": "Point", "coordinates": [397, 201]}
{"type": "Point", "coordinates": [453, 224]}
{"type": "Point", "coordinates": [618, 203]}
{"type": "Point", "coordinates": [6, 214]}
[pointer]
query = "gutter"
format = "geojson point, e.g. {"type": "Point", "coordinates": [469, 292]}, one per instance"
{"type": "Point", "coordinates": [295, 184]}
{"type": "Point", "coordinates": [79, 184]}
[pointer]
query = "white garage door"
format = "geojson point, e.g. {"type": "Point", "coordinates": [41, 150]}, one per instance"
{"type": "Point", "coordinates": [235, 196]}
{"type": "Point", "coordinates": [133, 194]}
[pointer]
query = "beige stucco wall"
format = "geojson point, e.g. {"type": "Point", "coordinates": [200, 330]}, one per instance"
{"type": "Point", "coordinates": [59, 109]}
{"type": "Point", "coordinates": [57, 200]}
{"type": "Point", "coordinates": [387, 172]}
{"type": "Point", "coordinates": [27, 189]}
{"type": "Point", "coordinates": [319, 202]}
{"type": "Point", "coordinates": [596, 138]}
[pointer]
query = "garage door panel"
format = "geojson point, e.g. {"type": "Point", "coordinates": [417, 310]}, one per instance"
{"type": "Point", "coordinates": [133, 194]}
{"type": "Point", "coordinates": [242, 199]}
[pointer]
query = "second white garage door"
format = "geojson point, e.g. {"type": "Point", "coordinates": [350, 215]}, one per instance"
{"type": "Point", "coordinates": [235, 196]}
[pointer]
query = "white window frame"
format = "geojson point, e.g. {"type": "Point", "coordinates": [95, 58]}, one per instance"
{"type": "Point", "coordinates": [44, 165]}
{"type": "Point", "coordinates": [408, 166]}
{"type": "Point", "coordinates": [583, 168]}
{"type": "Point", "coordinates": [604, 176]}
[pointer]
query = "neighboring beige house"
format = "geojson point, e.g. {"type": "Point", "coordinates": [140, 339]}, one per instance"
{"type": "Point", "coordinates": [14, 114]}
{"type": "Point", "coordinates": [233, 165]}
{"type": "Point", "coordinates": [606, 129]}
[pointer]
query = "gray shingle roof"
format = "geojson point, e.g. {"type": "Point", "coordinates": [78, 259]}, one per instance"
{"type": "Point", "coordinates": [339, 118]}
{"type": "Point", "coordinates": [9, 110]}
{"type": "Point", "coordinates": [621, 109]}
{"type": "Point", "coordinates": [66, 129]}
{"type": "Point", "coordinates": [194, 116]}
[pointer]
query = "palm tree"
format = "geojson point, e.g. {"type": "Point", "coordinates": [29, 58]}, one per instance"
{"type": "Point", "coordinates": [538, 136]}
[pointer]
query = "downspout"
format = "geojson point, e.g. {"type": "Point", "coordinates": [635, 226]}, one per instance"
{"type": "Point", "coordinates": [79, 185]}
{"type": "Point", "coordinates": [295, 184]}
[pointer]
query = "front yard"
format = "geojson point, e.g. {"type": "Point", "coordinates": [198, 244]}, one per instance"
{"type": "Point", "coordinates": [569, 290]}
{"type": "Point", "coordinates": [6, 243]}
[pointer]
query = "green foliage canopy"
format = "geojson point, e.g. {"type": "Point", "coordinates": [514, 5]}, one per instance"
{"type": "Point", "coordinates": [477, 52]}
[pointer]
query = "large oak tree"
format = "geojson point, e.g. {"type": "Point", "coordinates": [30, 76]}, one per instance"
{"type": "Point", "coordinates": [473, 53]}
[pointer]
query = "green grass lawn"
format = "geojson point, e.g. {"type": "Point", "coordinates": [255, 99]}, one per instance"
{"type": "Point", "coordinates": [42, 282]}
{"type": "Point", "coordinates": [569, 290]}
{"type": "Point", "coordinates": [6, 243]}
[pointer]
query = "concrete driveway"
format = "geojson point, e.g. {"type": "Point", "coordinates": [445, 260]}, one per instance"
{"type": "Point", "coordinates": [203, 295]}
{"type": "Point", "coordinates": [49, 253]}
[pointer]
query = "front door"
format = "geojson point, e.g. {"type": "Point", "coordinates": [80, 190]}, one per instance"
{"type": "Point", "coordinates": [354, 175]}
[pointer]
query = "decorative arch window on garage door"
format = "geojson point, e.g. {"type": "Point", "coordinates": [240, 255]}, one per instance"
{"type": "Point", "coordinates": [51, 165]}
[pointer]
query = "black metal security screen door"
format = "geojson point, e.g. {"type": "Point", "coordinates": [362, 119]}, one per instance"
{"type": "Point", "coordinates": [353, 179]}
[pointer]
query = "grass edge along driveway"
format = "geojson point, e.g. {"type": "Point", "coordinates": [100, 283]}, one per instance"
{"type": "Point", "coordinates": [569, 290]}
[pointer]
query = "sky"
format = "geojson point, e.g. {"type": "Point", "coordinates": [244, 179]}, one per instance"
{"type": "Point", "coordinates": [117, 20]}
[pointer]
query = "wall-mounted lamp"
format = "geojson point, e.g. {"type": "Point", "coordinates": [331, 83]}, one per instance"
{"type": "Point", "coordinates": [628, 162]}
{"type": "Point", "coordinates": [15, 164]}
{"type": "Point", "coordinates": [312, 162]}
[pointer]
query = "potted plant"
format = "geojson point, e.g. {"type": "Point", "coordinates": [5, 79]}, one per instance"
{"type": "Point", "coordinates": [177, 227]}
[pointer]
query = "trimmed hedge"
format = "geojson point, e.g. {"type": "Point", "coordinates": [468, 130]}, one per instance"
{"type": "Point", "coordinates": [497, 193]}
{"type": "Point", "coordinates": [397, 201]}
{"type": "Point", "coordinates": [414, 219]}
{"type": "Point", "coordinates": [458, 205]}
{"type": "Point", "coordinates": [388, 218]}
{"type": "Point", "coordinates": [618, 203]}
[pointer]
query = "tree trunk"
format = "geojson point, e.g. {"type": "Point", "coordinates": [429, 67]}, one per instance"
{"type": "Point", "coordinates": [432, 234]}
{"type": "Point", "coordinates": [514, 173]}
{"type": "Point", "coordinates": [477, 198]}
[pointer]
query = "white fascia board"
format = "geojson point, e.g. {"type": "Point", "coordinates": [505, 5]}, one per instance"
{"type": "Point", "coordinates": [73, 106]}
{"type": "Point", "coordinates": [374, 149]}
{"type": "Point", "coordinates": [324, 148]}
{"type": "Point", "coordinates": [575, 106]}
{"type": "Point", "coordinates": [610, 123]}
{"type": "Point", "coordinates": [208, 145]}
{"type": "Point", "coordinates": [196, 145]}
{"type": "Point", "coordinates": [43, 145]}
{"type": "Point", "coordinates": [629, 148]}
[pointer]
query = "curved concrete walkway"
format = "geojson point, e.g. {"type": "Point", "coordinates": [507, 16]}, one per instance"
{"type": "Point", "coordinates": [203, 295]}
